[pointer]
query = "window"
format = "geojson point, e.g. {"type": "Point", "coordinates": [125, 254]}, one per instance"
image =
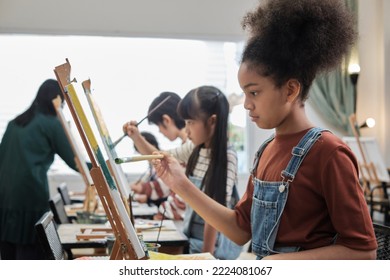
{"type": "Point", "coordinates": [126, 74]}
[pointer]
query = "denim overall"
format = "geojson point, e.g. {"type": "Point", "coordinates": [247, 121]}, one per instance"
{"type": "Point", "coordinates": [193, 227]}
{"type": "Point", "coordinates": [269, 198]}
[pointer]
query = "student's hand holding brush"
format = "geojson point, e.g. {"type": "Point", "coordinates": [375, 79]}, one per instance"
{"type": "Point", "coordinates": [171, 172]}
{"type": "Point", "coordinates": [131, 129]}
{"type": "Point", "coordinates": [143, 147]}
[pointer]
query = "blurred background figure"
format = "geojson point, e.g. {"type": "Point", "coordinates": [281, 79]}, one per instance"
{"type": "Point", "coordinates": [163, 113]}
{"type": "Point", "coordinates": [149, 188]}
{"type": "Point", "coordinates": [27, 151]}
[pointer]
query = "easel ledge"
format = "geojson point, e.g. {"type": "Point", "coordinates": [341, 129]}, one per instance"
{"type": "Point", "coordinates": [94, 233]}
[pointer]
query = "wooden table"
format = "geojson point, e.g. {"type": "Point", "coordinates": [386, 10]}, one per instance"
{"type": "Point", "coordinates": [68, 232]}
{"type": "Point", "coordinates": [172, 240]}
{"type": "Point", "coordinates": [144, 210]}
{"type": "Point", "coordinates": [140, 210]}
{"type": "Point", "coordinates": [76, 248]}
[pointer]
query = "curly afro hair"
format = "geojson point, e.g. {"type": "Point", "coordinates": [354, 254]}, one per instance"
{"type": "Point", "coordinates": [298, 39]}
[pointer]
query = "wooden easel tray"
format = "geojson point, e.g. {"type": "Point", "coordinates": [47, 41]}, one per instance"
{"type": "Point", "coordinates": [94, 233]}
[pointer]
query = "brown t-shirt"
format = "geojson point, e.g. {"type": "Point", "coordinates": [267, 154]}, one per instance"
{"type": "Point", "coordinates": [324, 199]}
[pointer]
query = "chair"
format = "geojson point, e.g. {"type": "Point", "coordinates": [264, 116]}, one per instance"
{"type": "Point", "coordinates": [374, 176]}
{"type": "Point", "coordinates": [382, 234]}
{"type": "Point", "coordinates": [65, 195]}
{"type": "Point", "coordinates": [58, 209]}
{"type": "Point", "coordinates": [50, 241]}
{"type": "Point", "coordinates": [48, 238]}
{"type": "Point", "coordinates": [379, 203]}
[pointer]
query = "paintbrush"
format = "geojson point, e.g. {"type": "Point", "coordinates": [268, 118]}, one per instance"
{"type": "Point", "coordinates": [142, 176]}
{"type": "Point", "coordinates": [161, 223]}
{"type": "Point", "coordinates": [137, 158]}
{"type": "Point", "coordinates": [150, 112]}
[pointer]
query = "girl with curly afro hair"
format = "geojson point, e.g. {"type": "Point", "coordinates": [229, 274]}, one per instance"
{"type": "Point", "coordinates": [303, 198]}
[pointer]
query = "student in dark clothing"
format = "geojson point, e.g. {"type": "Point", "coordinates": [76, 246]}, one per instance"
{"type": "Point", "coordinates": [27, 151]}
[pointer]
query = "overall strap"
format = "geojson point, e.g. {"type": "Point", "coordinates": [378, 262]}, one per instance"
{"type": "Point", "coordinates": [259, 152]}
{"type": "Point", "coordinates": [299, 152]}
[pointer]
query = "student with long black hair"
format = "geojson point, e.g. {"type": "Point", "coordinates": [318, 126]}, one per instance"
{"type": "Point", "coordinates": [211, 165]}
{"type": "Point", "coordinates": [27, 151]}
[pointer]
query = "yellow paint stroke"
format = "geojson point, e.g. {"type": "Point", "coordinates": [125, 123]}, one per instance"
{"type": "Point", "coordinates": [83, 119]}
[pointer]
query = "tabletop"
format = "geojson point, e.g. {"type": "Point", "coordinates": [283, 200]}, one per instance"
{"type": "Point", "coordinates": [68, 232]}
{"type": "Point", "coordinates": [170, 236]}
{"type": "Point", "coordinates": [140, 210]}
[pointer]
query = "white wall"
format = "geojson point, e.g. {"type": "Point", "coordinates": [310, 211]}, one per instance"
{"type": "Point", "coordinates": [385, 129]}
{"type": "Point", "coordinates": [199, 19]}
{"type": "Point", "coordinates": [373, 87]}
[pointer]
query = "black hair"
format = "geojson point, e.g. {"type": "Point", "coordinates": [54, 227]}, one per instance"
{"type": "Point", "coordinates": [48, 91]}
{"type": "Point", "coordinates": [150, 138]}
{"type": "Point", "coordinates": [298, 39]}
{"type": "Point", "coordinates": [201, 103]}
{"type": "Point", "coordinates": [167, 108]}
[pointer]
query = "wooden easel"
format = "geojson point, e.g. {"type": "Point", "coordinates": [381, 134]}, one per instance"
{"type": "Point", "coordinates": [115, 169]}
{"type": "Point", "coordinates": [90, 201]}
{"type": "Point", "coordinates": [127, 245]}
{"type": "Point", "coordinates": [367, 169]}
{"type": "Point", "coordinates": [375, 188]}
{"type": "Point", "coordinates": [93, 233]}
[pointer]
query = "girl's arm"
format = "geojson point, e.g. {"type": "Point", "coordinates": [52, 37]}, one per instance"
{"type": "Point", "coordinates": [332, 252]}
{"type": "Point", "coordinates": [218, 216]}
{"type": "Point", "coordinates": [209, 239]}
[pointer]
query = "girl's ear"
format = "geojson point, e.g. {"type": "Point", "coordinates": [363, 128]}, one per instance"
{"type": "Point", "coordinates": [293, 89]}
{"type": "Point", "coordinates": [212, 119]}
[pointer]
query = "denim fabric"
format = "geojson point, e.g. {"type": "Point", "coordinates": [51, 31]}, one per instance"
{"type": "Point", "coordinates": [269, 198]}
{"type": "Point", "coordinates": [193, 227]}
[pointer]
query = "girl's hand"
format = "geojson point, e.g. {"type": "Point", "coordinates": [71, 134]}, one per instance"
{"type": "Point", "coordinates": [141, 198]}
{"type": "Point", "coordinates": [130, 128]}
{"type": "Point", "coordinates": [136, 187]}
{"type": "Point", "coordinates": [170, 171]}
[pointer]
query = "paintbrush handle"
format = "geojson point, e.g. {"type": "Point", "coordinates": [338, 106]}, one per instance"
{"type": "Point", "coordinates": [120, 139]}
{"type": "Point", "coordinates": [154, 109]}
{"type": "Point", "coordinates": [161, 223]}
{"type": "Point", "coordinates": [138, 123]}
{"type": "Point", "coordinates": [137, 158]}
{"type": "Point", "coordinates": [124, 135]}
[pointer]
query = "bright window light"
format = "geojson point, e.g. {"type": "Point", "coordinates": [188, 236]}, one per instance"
{"type": "Point", "coordinates": [126, 75]}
